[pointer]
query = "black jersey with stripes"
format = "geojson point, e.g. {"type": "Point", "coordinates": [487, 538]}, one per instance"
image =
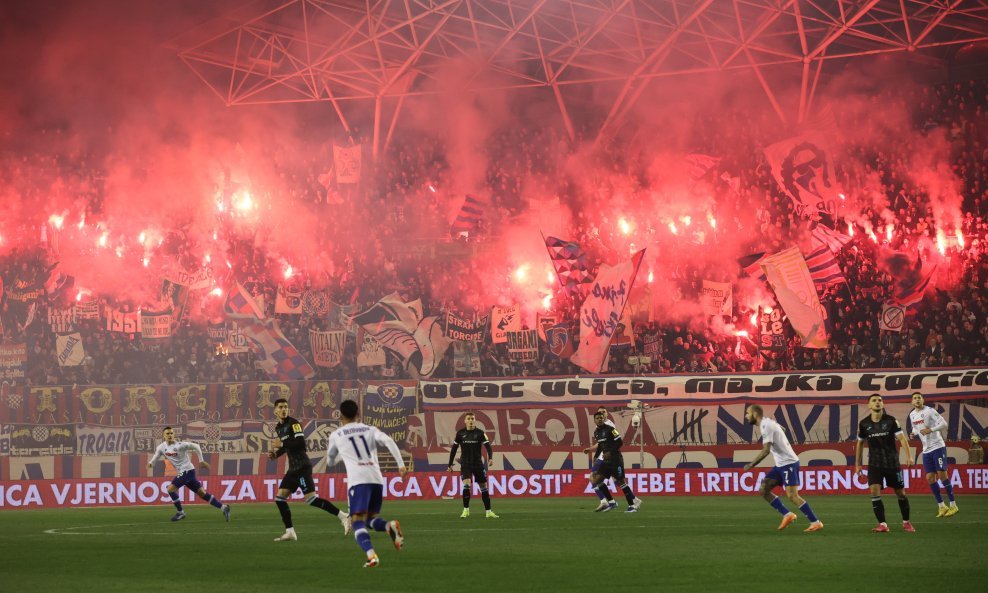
{"type": "Point", "coordinates": [608, 441]}
{"type": "Point", "coordinates": [470, 443]}
{"type": "Point", "coordinates": [293, 443]}
{"type": "Point", "coordinates": [881, 437]}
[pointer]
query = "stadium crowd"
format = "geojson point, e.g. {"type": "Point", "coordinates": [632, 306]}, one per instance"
{"type": "Point", "coordinates": [948, 328]}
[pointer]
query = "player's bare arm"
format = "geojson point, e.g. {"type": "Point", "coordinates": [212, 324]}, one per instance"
{"type": "Point", "coordinates": [758, 459]}
{"type": "Point", "coordinates": [909, 450]}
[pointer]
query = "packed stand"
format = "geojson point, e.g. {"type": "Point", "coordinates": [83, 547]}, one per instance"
{"type": "Point", "coordinates": [948, 328]}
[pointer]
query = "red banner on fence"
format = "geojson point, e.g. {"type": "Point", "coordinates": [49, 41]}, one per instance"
{"type": "Point", "coordinates": [438, 485]}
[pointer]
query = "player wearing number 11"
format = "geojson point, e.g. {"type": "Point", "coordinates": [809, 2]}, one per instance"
{"type": "Point", "coordinates": [357, 444]}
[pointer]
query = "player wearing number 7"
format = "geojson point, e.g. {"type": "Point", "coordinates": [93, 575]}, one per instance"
{"type": "Point", "coordinates": [785, 472]}
{"type": "Point", "coordinates": [357, 444]}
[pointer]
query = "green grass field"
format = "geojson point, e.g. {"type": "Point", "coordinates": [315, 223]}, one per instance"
{"type": "Point", "coordinates": [673, 544]}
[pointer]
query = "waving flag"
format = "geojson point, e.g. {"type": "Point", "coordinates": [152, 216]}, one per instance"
{"type": "Point", "coordinates": [790, 278]}
{"type": "Point", "coordinates": [559, 340]}
{"type": "Point", "coordinates": [240, 304]}
{"type": "Point", "coordinates": [601, 311]}
{"type": "Point", "coordinates": [909, 295]}
{"type": "Point", "coordinates": [752, 265]}
{"type": "Point", "coordinates": [823, 267]}
{"type": "Point", "coordinates": [273, 353]}
{"type": "Point", "coordinates": [401, 328]}
{"type": "Point", "coordinates": [570, 264]}
{"type": "Point", "coordinates": [835, 240]}
{"type": "Point", "coordinates": [700, 165]}
{"type": "Point", "coordinates": [471, 211]}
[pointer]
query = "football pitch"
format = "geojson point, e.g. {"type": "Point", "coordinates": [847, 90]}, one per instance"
{"type": "Point", "coordinates": [673, 544]}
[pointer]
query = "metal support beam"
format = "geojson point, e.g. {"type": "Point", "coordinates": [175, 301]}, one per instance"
{"type": "Point", "coordinates": [936, 21]}
{"type": "Point", "coordinates": [655, 58]}
{"type": "Point", "coordinates": [768, 91]}
{"type": "Point", "coordinates": [843, 28]}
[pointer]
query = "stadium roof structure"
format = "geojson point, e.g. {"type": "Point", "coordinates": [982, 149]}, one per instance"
{"type": "Point", "coordinates": [383, 51]}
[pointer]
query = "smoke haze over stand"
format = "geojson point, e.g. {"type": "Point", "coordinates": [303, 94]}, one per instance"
{"type": "Point", "coordinates": [97, 89]}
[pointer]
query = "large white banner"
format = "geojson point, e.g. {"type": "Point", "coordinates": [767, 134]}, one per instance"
{"type": "Point", "coordinates": [400, 327]}
{"type": "Point", "coordinates": [790, 279]}
{"type": "Point", "coordinates": [804, 169]}
{"type": "Point", "coordinates": [666, 390]}
{"type": "Point", "coordinates": [569, 427]}
{"type": "Point", "coordinates": [601, 311]}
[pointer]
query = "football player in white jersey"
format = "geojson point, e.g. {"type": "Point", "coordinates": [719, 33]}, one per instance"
{"type": "Point", "coordinates": [177, 453]}
{"type": "Point", "coordinates": [785, 472]}
{"type": "Point", "coordinates": [929, 425]}
{"type": "Point", "coordinates": [357, 444]}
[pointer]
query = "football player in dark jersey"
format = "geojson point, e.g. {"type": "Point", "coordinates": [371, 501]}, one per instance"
{"type": "Point", "coordinates": [608, 448]}
{"type": "Point", "coordinates": [882, 432]}
{"type": "Point", "coordinates": [291, 441]}
{"type": "Point", "coordinates": [472, 464]}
